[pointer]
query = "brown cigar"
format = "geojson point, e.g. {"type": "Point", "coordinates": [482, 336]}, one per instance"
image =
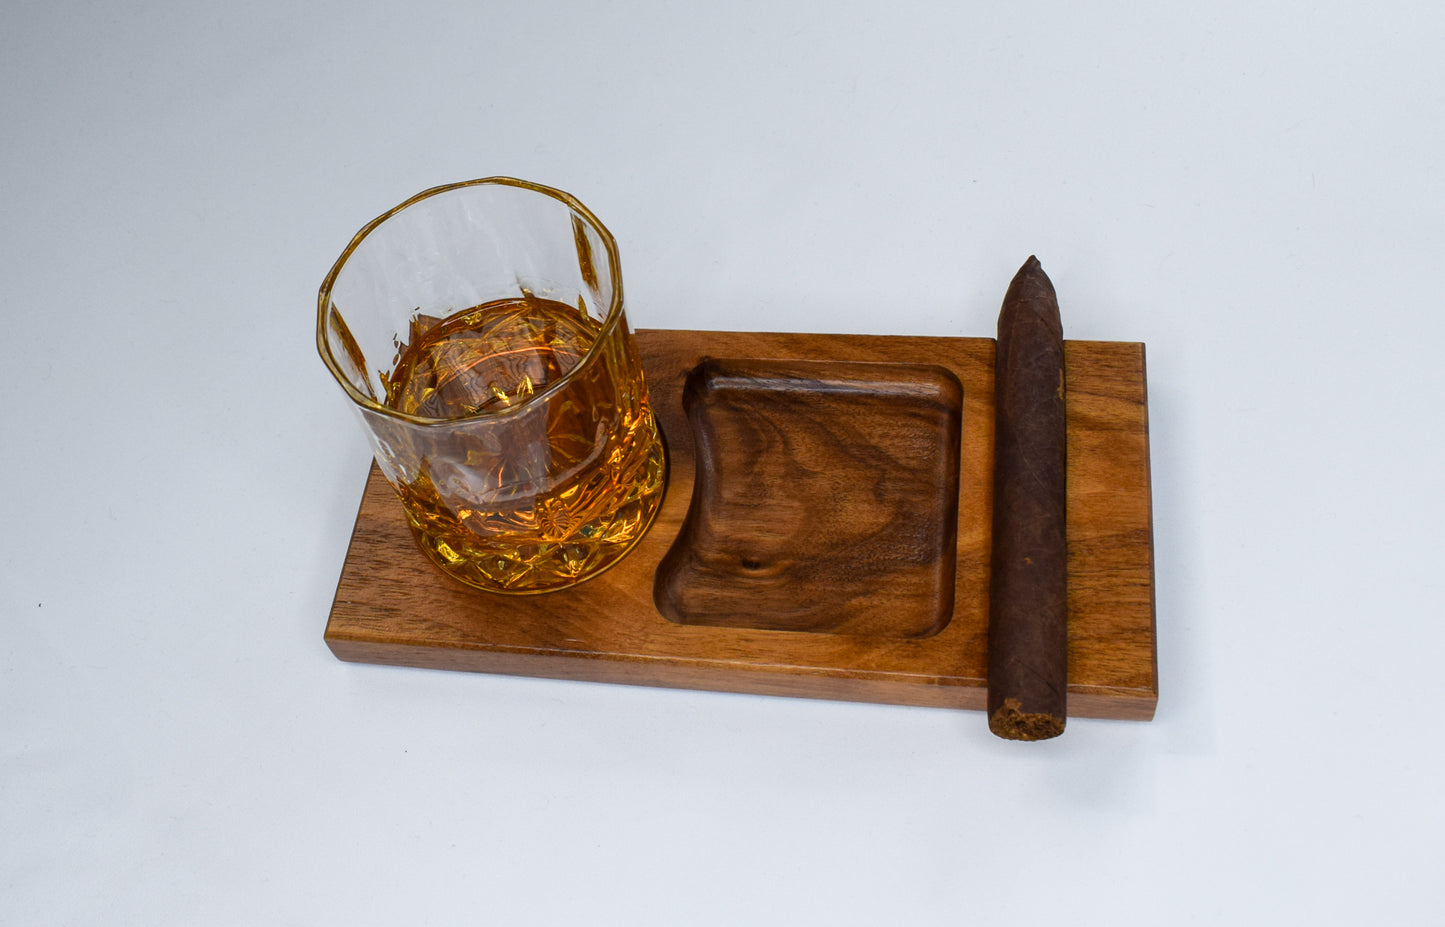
{"type": "Point", "coordinates": [1028, 639]}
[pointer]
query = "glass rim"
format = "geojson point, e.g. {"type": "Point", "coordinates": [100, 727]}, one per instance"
{"type": "Point", "coordinates": [609, 322]}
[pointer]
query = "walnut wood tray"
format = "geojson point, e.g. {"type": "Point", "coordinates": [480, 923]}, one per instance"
{"type": "Point", "coordinates": [839, 548]}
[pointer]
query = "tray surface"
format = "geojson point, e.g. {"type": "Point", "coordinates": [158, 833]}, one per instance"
{"type": "Point", "coordinates": [392, 606]}
{"type": "Point", "coordinates": [826, 498]}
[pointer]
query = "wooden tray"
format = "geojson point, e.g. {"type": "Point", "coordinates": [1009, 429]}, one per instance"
{"type": "Point", "coordinates": [668, 619]}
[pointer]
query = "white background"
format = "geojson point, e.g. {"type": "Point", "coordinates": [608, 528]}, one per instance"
{"type": "Point", "coordinates": [1253, 190]}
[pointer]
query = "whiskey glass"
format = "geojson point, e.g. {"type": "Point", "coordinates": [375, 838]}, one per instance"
{"type": "Point", "coordinates": [478, 330]}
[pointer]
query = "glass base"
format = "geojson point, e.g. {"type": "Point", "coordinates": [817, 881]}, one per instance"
{"type": "Point", "coordinates": [517, 565]}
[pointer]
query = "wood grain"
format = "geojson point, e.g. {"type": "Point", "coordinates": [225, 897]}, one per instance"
{"type": "Point", "coordinates": [826, 498]}
{"type": "Point", "coordinates": [393, 607]}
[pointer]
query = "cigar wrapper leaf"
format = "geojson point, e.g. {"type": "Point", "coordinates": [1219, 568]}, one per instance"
{"type": "Point", "coordinates": [1028, 613]}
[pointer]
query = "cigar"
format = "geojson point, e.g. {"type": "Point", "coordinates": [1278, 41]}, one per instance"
{"type": "Point", "coordinates": [1028, 639]}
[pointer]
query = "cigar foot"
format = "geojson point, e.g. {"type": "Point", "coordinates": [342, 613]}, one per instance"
{"type": "Point", "coordinates": [1013, 724]}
